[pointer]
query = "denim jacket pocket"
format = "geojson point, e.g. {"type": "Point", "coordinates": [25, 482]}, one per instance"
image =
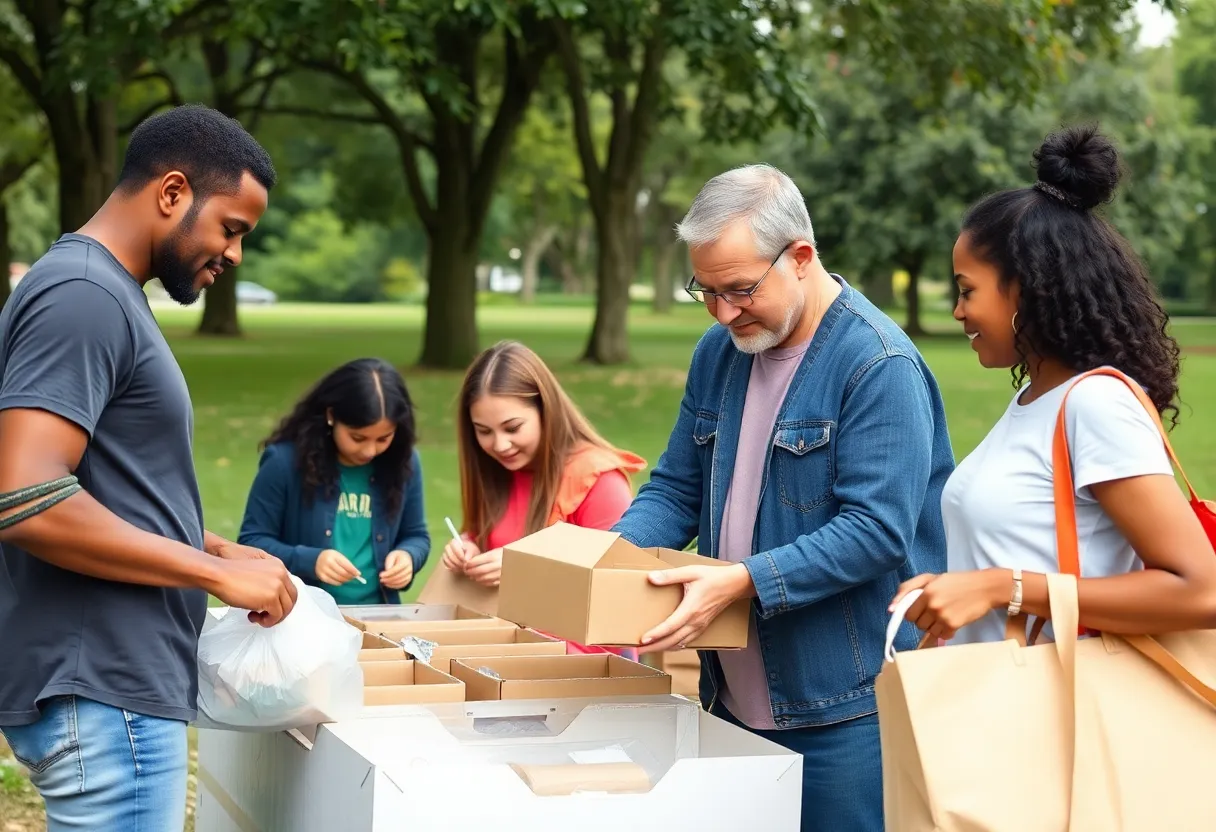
{"type": "Point", "coordinates": [802, 463]}
{"type": "Point", "coordinates": [52, 737]}
{"type": "Point", "coordinates": [705, 429]}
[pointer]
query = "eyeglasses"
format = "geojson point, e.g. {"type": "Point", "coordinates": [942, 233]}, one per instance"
{"type": "Point", "coordinates": [735, 297]}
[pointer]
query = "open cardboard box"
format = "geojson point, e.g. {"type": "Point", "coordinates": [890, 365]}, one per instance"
{"type": "Point", "coordinates": [399, 620]}
{"type": "Point", "coordinates": [556, 677]}
{"type": "Point", "coordinates": [592, 587]}
{"type": "Point", "coordinates": [405, 682]}
{"type": "Point", "coordinates": [459, 644]}
{"type": "Point", "coordinates": [506, 766]}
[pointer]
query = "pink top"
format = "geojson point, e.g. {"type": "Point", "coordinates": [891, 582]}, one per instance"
{"type": "Point", "coordinates": [745, 692]}
{"type": "Point", "coordinates": [603, 506]}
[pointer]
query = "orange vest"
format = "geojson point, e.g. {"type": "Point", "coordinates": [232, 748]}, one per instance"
{"type": "Point", "coordinates": [583, 467]}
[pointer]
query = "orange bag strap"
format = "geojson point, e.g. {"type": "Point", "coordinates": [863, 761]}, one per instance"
{"type": "Point", "coordinates": [1067, 545]}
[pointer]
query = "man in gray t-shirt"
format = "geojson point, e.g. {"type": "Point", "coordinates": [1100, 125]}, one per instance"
{"type": "Point", "coordinates": [102, 596]}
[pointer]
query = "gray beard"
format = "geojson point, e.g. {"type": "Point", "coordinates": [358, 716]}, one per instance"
{"type": "Point", "coordinates": [766, 339]}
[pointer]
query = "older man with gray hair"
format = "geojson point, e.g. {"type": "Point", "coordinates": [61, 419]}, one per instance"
{"type": "Point", "coordinates": [810, 450]}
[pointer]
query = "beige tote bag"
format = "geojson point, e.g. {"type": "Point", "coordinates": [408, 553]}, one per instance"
{"type": "Point", "coordinates": [1102, 734]}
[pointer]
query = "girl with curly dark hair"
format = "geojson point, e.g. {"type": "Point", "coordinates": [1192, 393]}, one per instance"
{"type": "Point", "coordinates": [338, 492]}
{"type": "Point", "coordinates": [1047, 287]}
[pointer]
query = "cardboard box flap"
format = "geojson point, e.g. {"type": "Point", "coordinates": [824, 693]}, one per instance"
{"type": "Point", "coordinates": [443, 586]}
{"type": "Point", "coordinates": [568, 544]}
{"type": "Point", "coordinates": [624, 555]}
{"type": "Point", "coordinates": [670, 558]}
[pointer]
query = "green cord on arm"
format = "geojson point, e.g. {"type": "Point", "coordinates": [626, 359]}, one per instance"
{"type": "Point", "coordinates": [59, 490]}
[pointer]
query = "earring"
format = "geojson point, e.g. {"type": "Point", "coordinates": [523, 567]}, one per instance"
{"type": "Point", "coordinates": [1014, 323]}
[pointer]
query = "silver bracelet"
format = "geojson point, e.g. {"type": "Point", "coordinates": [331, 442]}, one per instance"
{"type": "Point", "coordinates": [1015, 604]}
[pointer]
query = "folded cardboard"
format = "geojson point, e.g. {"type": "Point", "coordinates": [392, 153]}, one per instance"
{"type": "Point", "coordinates": [443, 586]}
{"type": "Point", "coordinates": [450, 767]}
{"type": "Point", "coordinates": [397, 621]}
{"type": "Point", "coordinates": [592, 587]}
{"type": "Point", "coordinates": [459, 644]}
{"type": "Point", "coordinates": [405, 682]}
{"type": "Point", "coordinates": [544, 677]}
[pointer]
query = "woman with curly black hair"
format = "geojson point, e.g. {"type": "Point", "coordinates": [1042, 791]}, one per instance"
{"type": "Point", "coordinates": [1048, 288]}
{"type": "Point", "coordinates": [338, 492]}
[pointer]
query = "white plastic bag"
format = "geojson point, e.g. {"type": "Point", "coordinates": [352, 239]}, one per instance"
{"type": "Point", "coordinates": [301, 672]}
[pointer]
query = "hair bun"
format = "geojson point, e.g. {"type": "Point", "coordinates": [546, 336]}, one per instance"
{"type": "Point", "coordinates": [1081, 163]}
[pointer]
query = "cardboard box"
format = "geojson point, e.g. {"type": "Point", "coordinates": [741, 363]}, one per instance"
{"type": "Point", "coordinates": [556, 677]}
{"type": "Point", "coordinates": [397, 621]}
{"type": "Point", "coordinates": [592, 587]}
{"type": "Point", "coordinates": [684, 668]}
{"type": "Point", "coordinates": [459, 644]}
{"type": "Point", "coordinates": [404, 682]}
{"type": "Point", "coordinates": [447, 767]}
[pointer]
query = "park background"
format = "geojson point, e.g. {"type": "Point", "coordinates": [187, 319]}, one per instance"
{"type": "Point", "coordinates": [454, 172]}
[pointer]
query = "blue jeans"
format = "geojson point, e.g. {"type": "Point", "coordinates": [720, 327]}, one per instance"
{"type": "Point", "coordinates": [841, 772]}
{"type": "Point", "coordinates": [104, 769]}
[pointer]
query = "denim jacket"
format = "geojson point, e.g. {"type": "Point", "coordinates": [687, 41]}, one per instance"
{"type": "Point", "coordinates": [850, 506]}
{"type": "Point", "coordinates": [278, 521]}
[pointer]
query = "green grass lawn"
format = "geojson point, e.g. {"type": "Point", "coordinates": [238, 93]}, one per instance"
{"type": "Point", "coordinates": [241, 387]}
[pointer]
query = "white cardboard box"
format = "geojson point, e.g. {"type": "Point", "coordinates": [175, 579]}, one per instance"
{"type": "Point", "coordinates": [447, 767]}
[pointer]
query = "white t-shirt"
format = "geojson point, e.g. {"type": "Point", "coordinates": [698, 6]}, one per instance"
{"type": "Point", "coordinates": [998, 507]}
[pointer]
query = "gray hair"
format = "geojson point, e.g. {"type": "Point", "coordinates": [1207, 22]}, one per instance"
{"type": "Point", "coordinates": [764, 196]}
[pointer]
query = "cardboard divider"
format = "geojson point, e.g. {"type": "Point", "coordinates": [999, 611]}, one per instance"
{"type": "Point", "coordinates": [570, 676]}
{"type": "Point", "coordinates": [386, 617]}
{"type": "Point", "coordinates": [408, 683]}
{"type": "Point", "coordinates": [592, 587]}
{"type": "Point", "coordinates": [483, 643]}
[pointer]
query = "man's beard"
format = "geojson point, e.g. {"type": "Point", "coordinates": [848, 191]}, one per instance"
{"type": "Point", "coordinates": [172, 268]}
{"type": "Point", "coordinates": [766, 339]}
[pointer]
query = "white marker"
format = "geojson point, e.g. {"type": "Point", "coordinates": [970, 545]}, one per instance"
{"type": "Point", "coordinates": [455, 534]}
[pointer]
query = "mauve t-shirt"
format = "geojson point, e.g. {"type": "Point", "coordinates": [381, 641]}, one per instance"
{"type": "Point", "coordinates": [745, 693]}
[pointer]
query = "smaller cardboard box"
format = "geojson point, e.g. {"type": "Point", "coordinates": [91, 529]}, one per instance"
{"type": "Point", "coordinates": [557, 677]}
{"type": "Point", "coordinates": [459, 644]}
{"type": "Point", "coordinates": [408, 683]}
{"type": "Point", "coordinates": [592, 587]}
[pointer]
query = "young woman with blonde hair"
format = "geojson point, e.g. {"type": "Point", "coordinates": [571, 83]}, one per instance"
{"type": "Point", "coordinates": [529, 458]}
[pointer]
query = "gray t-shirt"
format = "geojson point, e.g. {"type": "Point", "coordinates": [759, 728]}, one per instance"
{"type": "Point", "coordinates": [745, 693]}
{"type": "Point", "coordinates": [78, 339]}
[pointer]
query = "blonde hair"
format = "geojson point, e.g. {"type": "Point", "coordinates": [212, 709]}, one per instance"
{"type": "Point", "coordinates": [511, 369]}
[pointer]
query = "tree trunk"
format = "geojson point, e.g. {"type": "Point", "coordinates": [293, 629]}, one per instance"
{"type": "Point", "coordinates": [616, 227]}
{"type": "Point", "coordinates": [879, 290]}
{"type": "Point", "coordinates": [666, 248]}
{"type": "Point", "coordinates": [221, 316]}
{"type": "Point", "coordinates": [449, 339]}
{"type": "Point", "coordinates": [534, 249]}
{"type": "Point", "coordinates": [913, 326]}
{"type": "Point", "coordinates": [220, 308]}
{"type": "Point", "coordinates": [6, 254]}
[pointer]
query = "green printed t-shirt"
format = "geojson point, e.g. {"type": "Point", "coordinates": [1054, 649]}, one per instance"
{"type": "Point", "coordinates": [353, 537]}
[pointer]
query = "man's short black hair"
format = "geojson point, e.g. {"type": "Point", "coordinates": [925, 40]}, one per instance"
{"type": "Point", "coordinates": [211, 149]}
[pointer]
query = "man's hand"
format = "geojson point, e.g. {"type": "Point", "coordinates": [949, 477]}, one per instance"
{"type": "Point", "coordinates": [485, 568]}
{"type": "Point", "coordinates": [334, 568]}
{"type": "Point", "coordinates": [398, 570]}
{"type": "Point", "coordinates": [708, 590]}
{"type": "Point", "coordinates": [236, 551]}
{"type": "Point", "coordinates": [263, 587]}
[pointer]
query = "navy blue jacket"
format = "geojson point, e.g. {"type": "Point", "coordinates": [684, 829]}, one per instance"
{"type": "Point", "coordinates": [278, 521]}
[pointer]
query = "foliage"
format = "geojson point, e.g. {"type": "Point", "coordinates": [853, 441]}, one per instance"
{"type": "Point", "coordinates": [309, 254]}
